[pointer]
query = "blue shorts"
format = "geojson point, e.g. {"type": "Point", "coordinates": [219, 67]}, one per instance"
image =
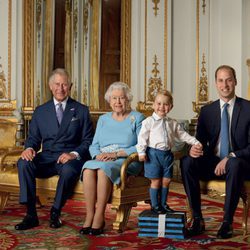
{"type": "Point", "coordinates": [159, 163]}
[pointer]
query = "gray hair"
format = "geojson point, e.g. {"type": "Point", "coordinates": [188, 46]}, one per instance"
{"type": "Point", "coordinates": [120, 86]}
{"type": "Point", "coordinates": [61, 72]}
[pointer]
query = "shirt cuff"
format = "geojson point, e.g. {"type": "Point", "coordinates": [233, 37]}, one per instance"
{"type": "Point", "coordinates": [78, 157]}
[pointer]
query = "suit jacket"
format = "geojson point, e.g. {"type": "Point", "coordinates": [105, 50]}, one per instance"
{"type": "Point", "coordinates": [74, 134]}
{"type": "Point", "coordinates": [208, 128]}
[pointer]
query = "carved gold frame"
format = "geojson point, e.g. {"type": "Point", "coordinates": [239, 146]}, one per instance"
{"type": "Point", "coordinates": [7, 107]}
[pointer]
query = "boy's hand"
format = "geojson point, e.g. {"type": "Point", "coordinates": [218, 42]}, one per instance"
{"type": "Point", "coordinates": [142, 158]}
{"type": "Point", "coordinates": [196, 151]}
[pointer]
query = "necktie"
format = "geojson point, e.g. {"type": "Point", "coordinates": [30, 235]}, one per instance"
{"type": "Point", "coordinates": [59, 112]}
{"type": "Point", "coordinates": [224, 140]}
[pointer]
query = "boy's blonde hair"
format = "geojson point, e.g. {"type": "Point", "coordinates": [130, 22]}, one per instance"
{"type": "Point", "coordinates": [167, 94]}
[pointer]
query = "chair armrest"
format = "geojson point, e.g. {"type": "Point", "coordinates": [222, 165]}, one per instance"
{"type": "Point", "coordinates": [15, 152]}
{"type": "Point", "coordinates": [131, 158]}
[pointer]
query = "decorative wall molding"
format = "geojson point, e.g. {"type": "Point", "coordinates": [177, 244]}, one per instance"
{"type": "Point", "coordinates": [7, 106]}
{"type": "Point", "coordinates": [155, 8]}
{"type": "Point", "coordinates": [156, 49]}
{"type": "Point", "coordinates": [155, 82]}
{"type": "Point", "coordinates": [28, 55]}
{"type": "Point", "coordinates": [125, 74]}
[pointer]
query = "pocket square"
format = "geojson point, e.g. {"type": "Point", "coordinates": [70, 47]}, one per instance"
{"type": "Point", "coordinates": [74, 119]}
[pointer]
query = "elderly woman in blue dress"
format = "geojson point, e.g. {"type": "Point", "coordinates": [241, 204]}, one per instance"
{"type": "Point", "coordinates": [115, 138]}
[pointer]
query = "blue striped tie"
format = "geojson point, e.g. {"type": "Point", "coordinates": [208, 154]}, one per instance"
{"type": "Point", "coordinates": [224, 133]}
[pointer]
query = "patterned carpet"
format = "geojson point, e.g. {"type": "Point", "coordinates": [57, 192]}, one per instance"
{"type": "Point", "coordinates": [67, 237]}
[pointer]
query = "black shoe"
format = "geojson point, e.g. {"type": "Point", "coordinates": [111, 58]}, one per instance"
{"type": "Point", "coordinates": [197, 227]}
{"type": "Point", "coordinates": [85, 230]}
{"type": "Point", "coordinates": [167, 209]}
{"type": "Point", "coordinates": [97, 231]}
{"type": "Point", "coordinates": [55, 221]}
{"type": "Point", "coordinates": [225, 231]}
{"type": "Point", "coordinates": [27, 223]}
{"type": "Point", "coordinates": [157, 210]}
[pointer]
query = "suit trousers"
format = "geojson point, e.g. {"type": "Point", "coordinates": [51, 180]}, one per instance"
{"type": "Point", "coordinates": [28, 171]}
{"type": "Point", "coordinates": [202, 168]}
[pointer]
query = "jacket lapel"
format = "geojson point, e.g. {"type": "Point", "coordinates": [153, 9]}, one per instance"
{"type": "Point", "coordinates": [235, 116]}
{"type": "Point", "coordinates": [217, 118]}
{"type": "Point", "coordinates": [52, 118]}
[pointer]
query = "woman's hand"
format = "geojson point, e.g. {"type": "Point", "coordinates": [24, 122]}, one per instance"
{"type": "Point", "coordinates": [107, 157]}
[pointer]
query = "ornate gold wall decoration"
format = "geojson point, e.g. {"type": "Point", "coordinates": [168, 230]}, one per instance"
{"type": "Point", "coordinates": [202, 89]}
{"type": "Point", "coordinates": [125, 74]}
{"type": "Point", "coordinates": [155, 8]}
{"type": "Point", "coordinates": [67, 38]}
{"type": "Point", "coordinates": [155, 82]}
{"type": "Point", "coordinates": [3, 89]}
{"type": "Point", "coordinates": [28, 56]}
{"type": "Point", "coordinates": [85, 93]}
{"type": "Point", "coordinates": [75, 22]}
{"type": "Point", "coordinates": [94, 57]}
{"type": "Point", "coordinates": [48, 48]}
{"type": "Point", "coordinates": [248, 64]}
{"type": "Point", "coordinates": [74, 94]}
{"type": "Point", "coordinates": [38, 94]}
{"type": "Point", "coordinates": [38, 20]}
{"type": "Point", "coordinates": [7, 106]}
{"type": "Point", "coordinates": [85, 24]}
{"type": "Point", "coordinates": [204, 6]}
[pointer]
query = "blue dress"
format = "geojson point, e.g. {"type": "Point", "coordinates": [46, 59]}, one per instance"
{"type": "Point", "coordinates": [112, 136]}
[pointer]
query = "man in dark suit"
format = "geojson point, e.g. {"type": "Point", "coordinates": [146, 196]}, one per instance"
{"type": "Point", "coordinates": [62, 128]}
{"type": "Point", "coordinates": [209, 163]}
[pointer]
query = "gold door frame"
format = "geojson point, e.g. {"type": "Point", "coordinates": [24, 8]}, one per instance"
{"type": "Point", "coordinates": [125, 61]}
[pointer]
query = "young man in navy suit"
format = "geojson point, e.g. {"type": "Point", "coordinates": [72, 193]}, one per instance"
{"type": "Point", "coordinates": [62, 128]}
{"type": "Point", "coordinates": [234, 166]}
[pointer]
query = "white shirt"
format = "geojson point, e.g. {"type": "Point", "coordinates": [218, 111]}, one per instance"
{"type": "Point", "coordinates": [152, 131]}
{"type": "Point", "coordinates": [230, 114]}
{"type": "Point", "coordinates": [63, 103]}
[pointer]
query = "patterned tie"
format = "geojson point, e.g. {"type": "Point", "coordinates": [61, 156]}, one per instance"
{"type": "Point", "coordinates": [224, 139]}
{"type": "Point", "coordinates": [59, 113]}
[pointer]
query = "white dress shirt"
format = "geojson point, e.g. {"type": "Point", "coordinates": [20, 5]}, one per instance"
{"type": "Point", "coordinates": [152, 131]}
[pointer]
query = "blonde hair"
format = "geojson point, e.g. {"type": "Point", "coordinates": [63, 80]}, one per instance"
{"type": "Point", "coordinates": [167, 94]}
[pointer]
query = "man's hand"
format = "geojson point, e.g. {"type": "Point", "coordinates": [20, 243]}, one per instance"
{"type": "Point", "coordinates": [65, 157]}
{"type": "Point", "coordinates": [221, 167]}
{"type": "Point", "coordinates": [28, 154]}
{"type": "Point", "coordinates": [142, 158]}
{"type": "Point", "coordinates": [196, 151]}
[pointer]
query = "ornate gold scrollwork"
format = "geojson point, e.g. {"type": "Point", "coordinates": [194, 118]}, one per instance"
{"type": "Point", "coordinates": [38, 19]}
{"type": "Point", "coordinates": [204, 6]}
{"type": "Point", "coordinates": [3, 90]}
{"type": "Point", "coordinates": [202, 89]}
{"type": "Point", "coordinates": [155, 8]}
{"type": "Point", "coordinates": [155, 82]}
{"type": "Point", "coordinates": [85, 24]}
{"type": "Point", "coordinates": [75, 22]}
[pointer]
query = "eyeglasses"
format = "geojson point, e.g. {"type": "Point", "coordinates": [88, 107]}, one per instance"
{"type": "Point", "coordinates": [118, 98]}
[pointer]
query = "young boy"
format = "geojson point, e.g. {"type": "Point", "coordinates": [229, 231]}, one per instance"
{"type": "Point", "coordinates": [155, 140]}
